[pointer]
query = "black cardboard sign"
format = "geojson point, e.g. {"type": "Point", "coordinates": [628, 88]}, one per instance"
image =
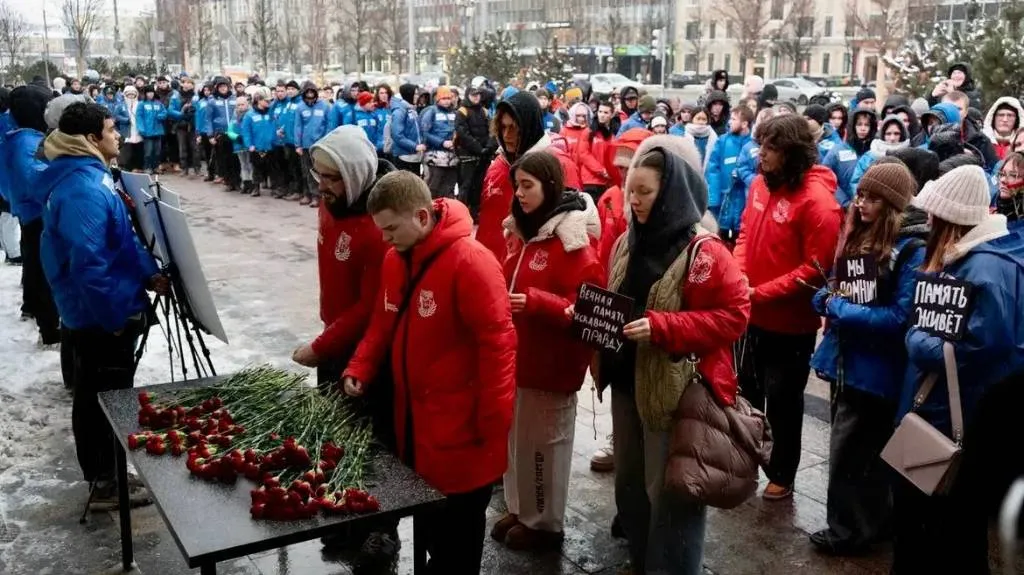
{"type": "Point", "coordinates": [942, 306]}
{"type": "Point", "coordinates": [857, 278]}
{"type": "Point", "coordinates": [600, 316]}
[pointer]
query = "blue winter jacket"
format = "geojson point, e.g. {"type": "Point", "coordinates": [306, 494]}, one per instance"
{"type": "Point", "coordinates": [993, 344]}
{"type": "Point", "coordinates": [373, 129]}
{"type": "Point", "coordinates": [552, 122]}
{"type": "Point", "coordinates": [677, 130]}
{"type": "Point", "coordinates": [276, 107]}
{"type": "Point", "coordinates": [748, 165]}
{"type": "Point", "coordinates": [96, 266]}
{"type": "Point", "coordinates": [311, 122]}
{"type": "Point", "coordinates": [238, 144]}
{"type": "Point", "coordinates": [203, 116]}
{"type": "Point", "coordinates": [177, 103]}
{"type": "Point", "coordinates": [258, 130]}
{"type": "Point", "coordinates": [286, 119]}
{"type": "Point", "coordinates": [634, 121]}
{"type": "Point", "coordinates": [220, 115]}
{"type": "Point", "coordinates": [829, 140]}
{"type": "Point", "coordinates": [405, 128]}
{"type": "Point", "coordinates": [720, 172]}
{"type": "Point", "coordinates": [149, 117]}
{"type": "Point", "coordinates": [342, 114]}
{"type": "Point", "coordinates": [842, 160]}
{"type": "Point", "coordinates": [437, 125]}
{"type": "Point", "coordinates": [6, 125]}
{"type": "Point", "coordinates": [19, 173]}
{"type": "Point", "coordinates": [702, 147]}
{"type": "Point", "coordinates": [382, 116]}
{"type": "Point", "coordinates": [869, 337]}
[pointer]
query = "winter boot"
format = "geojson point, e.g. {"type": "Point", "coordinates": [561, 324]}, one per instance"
{"type": "Point", "coordinates": [255, 189]}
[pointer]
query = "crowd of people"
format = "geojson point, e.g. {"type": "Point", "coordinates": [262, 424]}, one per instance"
{"type": "Point", "coordinates": [454, 236]}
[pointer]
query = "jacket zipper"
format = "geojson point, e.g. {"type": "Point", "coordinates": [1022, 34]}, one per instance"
{"type": "Point", "coordinates": [515, 274]}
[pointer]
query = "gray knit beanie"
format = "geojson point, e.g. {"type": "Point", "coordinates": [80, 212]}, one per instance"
{"type": "Point", "coordinates": [959, 197]}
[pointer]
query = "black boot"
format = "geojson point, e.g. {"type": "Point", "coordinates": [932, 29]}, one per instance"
{"type": "Point", "coordinates": [255, 189]}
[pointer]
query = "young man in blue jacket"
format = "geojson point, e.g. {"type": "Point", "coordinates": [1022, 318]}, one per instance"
{"type": "Point", "coordinates": [99, 272]}
{"type": "Point", "coordinates": [639, 119]}
{"type": "Point", "coordinates": [182, 110]}
{"type": "Point", "coordinates": [258, 135]}
{"type": "Point", "coordinates": [721, 174]}
{"type": "Point", "coordinates": [438, 129]}
{"type": "Point", "coordinates": [296, 180]}
{"type": "Point", "coordinates": [149, 117]}
{"type": "Point", "coordinates": [311, 122]}
{"type": "Point", "coordinates": [220, 120]}
{"type": "Point", "coordinates": [405, 130]}
{"type": "Point", "coordinates": [202, 130]}
{"type": "Point", "coordinates": [278, 163]}
{"type": "Point", "coordinates": [20, 167]}
{"type": "Point", "coordinates": [10, 232]}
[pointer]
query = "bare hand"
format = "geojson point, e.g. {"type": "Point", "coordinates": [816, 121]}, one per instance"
{"type": "Point", "coordinates": [199, 140]}
{"type": "Point", "coordinates": [638, 330]}
{"type": "Point", "coordinates": [570, 312]}
{"type": "Point", "coordinates": [354, 387]}
{"type": "Point", "coordinates": [421, 148]}
{"type": "Point", "coordinates": [518, 301]}
{"type": "Point", "coordinates": [447, 144]}
{"type": "Point", "coordinates": [213, 141]}
{"type": "Point", "coordinates": [304, 355]}
{"type": "Point", "coordinates": [252, 148]}
{"type": "Point", "coordinates": [159, 284]}
{"type": "Point", "coordinates": [298, 151]}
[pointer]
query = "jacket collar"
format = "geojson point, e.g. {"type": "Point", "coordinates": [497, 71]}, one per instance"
{"type": "Point", "coordinates": [994, 227]}
{"type": "Point", "coordinates": [574, 228]}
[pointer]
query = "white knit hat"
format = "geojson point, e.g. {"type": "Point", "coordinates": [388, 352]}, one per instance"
{"type": "Point", "coordinates": [959, 197]}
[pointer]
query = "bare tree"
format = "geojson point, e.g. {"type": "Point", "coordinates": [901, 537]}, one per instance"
{"type": "Point", "coordinates": [795, 38]}
{"type": "Point", "coordinates": [140, 39]}
{"type": "Point", "coordinates": [614, 29]}
{"type": "Point", "coordinates": [314, 32]}
{"type": "Point", "coordinates": [264, 29]}
{"type": "Point", "coordinates": [179, 30]}
{"type": "Point", "coordinates": [391, 24]}
{"type": "Point", "coordinates": [202, 36]}
{"type": "Point", "coordinates": [81, 18]}
{"type": "Point", "coordinates": [13, 32]}
{"type": "Point", "coordinates": [694, 33]}
{"type": "Point", "coordinates": [582, 23]}
{"type": "Point", "coordinates": [354, 21]}
{"type": "Point", "coordinates": [883, 25]}
{"type": "Point", "coordinates": [749, 17]}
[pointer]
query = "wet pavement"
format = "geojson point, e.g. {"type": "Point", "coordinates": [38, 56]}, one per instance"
{"type": "Point", "coordinates": [259, 257]}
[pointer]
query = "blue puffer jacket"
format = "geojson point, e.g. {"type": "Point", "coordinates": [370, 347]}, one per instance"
{"type": "Point", "coordinates": [276, 107]}
{"type": "Point", "coordinates": [878, 149]}
{"type": "Point", "coordinates": [748, 165]}
{"type": "Point", "coordinates": [176, 109]}
{"type": "Point", "coordinates": [238, 144]}
{"type": "Point", "coordinates": [720, 172]}
{"type": "Point", "coordinates": [677, 130]}
{"type": "Point", "coordinates": [382, 116]}
{"type": "Point", "coordinates": [220, 114]}
{"type": "Point", "coordinates": [203, 116]}
{"type": "Point", "coordinates": [634, 121]}
{"type": "Point", "coordinates": [342, 114]}
{"type": "Point", "coordinates": [405, 128]}
{"type": "Point", "coordinates": [842, 160]}
{"type": "Point", "coordinates": [437, 125]}
{"type": "Point", "coordinates": [993, 344]}
{"type": "Point", "coordinates": [120, 113]}
{"type": "Point", "coordinates": [258, 130]}
{"type": "Point", "coordinates": [829, 139]}
{"type": "Point", "coordinates": [96, 266]}
{"type": "Point", "coordinates": [371, 127]}
{"type": "Point", "coordinates": [552, 122]}
{"type": "Point", "coordinates": [310, 122]}
{"type": "Point", "coordinates": [285, 119]}
{"type": "Point", "coordinates": [870, 337]}
{"type": "Point", "coordinates": [149, 117]}
{"type": "Point", "coordinates": [6, 125]}
{"type": "Point", "coordinates": [19, 173]}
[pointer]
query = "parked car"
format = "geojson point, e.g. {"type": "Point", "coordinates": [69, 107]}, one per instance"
{"type": "Point", "coordinates": [796, 90]}
{"type": "Point", "coordinates": [607, 83]}
{"type": "Point", "coordinates": [685, 79]}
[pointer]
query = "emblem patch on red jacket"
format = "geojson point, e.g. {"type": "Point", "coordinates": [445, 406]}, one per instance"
{"type": "Point", "coordinates": [700, 269]}
{"type": "Point", "coordinates": [343, 248]}
{"type": "Point", "coordinates": [427, 305]}
{"type": "Point", "coordinates": [539, 261]}
{"type": "Point", "coordinates": [781, 212]}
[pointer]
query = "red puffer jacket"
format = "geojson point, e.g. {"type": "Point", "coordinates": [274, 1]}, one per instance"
{"type": "Point", "coordinates": [349, 255]}
{"type": "Point", "coordinates": [497, 192]}
{"type": "Point", "coordinates": [549, 269]}
{"type": "Point", "coordinates": [782, 233]}
{"type": "Point", "coordinates": [453, 354]}
{"type": "Point", "coordinates": [611, 209]}
{"type": "Point", "coordinates": [716, 309]}
{"type": "Point", "coordinates": [592, 170]}
{"type": "Point", "coordinates": [603, 148]}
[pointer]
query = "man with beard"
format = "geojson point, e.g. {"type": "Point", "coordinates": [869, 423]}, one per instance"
{"type": "Point", "coordinates": [350, 250]}
{"type": "Point", "coordinates": [169, 155]}
{"type": "Point", "coordinates": [473, 141]}
{"type": "Point", "coordinates": [727, 192]}
{"type": "Point", "coordinates": [183, 115]}
{"type": "Point", "coordinates": [789, 230]}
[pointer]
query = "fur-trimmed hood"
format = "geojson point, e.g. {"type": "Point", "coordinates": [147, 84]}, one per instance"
{"type": "Point", "coordinates": [573, 228]}
{"type": "Point", "coordinates": [1005, 101]}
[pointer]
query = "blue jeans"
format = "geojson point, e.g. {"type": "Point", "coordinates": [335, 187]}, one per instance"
{"type": "Point", "coordinates": [665, 532]}
{"type": "Point", "coordinates": [151, 153]}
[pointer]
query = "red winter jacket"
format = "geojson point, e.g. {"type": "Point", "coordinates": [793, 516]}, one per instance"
{"type": "Point", "coordinates": [549, 269]}
{"type": "Point", "coordinates": [497, 192]}
{"type": "Point", "coordinates": [603, 148]}
{"type": "Point", "coordinates": [781, 234]}
{"type": "Point", "coordinates": [453, 354]}
{"type": "Point", "coordinates": [611, 208]}
{"type": "Point", "coordinates": [716, 309]}
{"type": "Point", "coordinates": [349, 255]}
{"type": "Point", "coordinates": [592, 169]}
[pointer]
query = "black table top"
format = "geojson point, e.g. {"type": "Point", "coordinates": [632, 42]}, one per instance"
{"type": "Point", "coordinates": [210, 521]}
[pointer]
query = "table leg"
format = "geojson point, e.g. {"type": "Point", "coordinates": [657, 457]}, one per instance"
{"type": "Point", "coordinates": [419, 545]}
{"type": "Point", "coordinates": [208, 569]}
{"type": "Point", "coordinates": [124, 507]}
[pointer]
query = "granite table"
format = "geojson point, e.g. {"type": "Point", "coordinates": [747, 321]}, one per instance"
{"type": "Point", "coordinates": [210, 522]}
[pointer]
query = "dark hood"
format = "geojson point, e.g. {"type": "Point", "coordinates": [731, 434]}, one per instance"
{"type": "Point", "coordinates": [586, 88]}
{"type": "Point", "coordinates": [654, 245]}
{"type": "Point", "coordinates": [923, 164]}
{"type": "Point", "coordinates": [720, 75]}
{"type": "Point", "coordinates": [718, 124]}
{"type": "Point", "coordinates": [529, 224]}
{"type": "Point", "coordinates": [625, 93]}
{"type": "Point", "coordinates": [187, 95]}
{"type": "Point", "coordinates": [27, 105]}
{"type": "Point", "coordinates": [308, 86]}
{"type": "Point", "coordinates": [525, 109]}
{"type": "Point", "coordinates": [946, 141]}
{"type": "Point", "coordinates": [958, 160]}
{"type": "Point", "coordinates": [894, 101]}
{"type": "Point", "coordinates": [861, 146]}
{"type": "Point", "coordinates": [915, 123]}
{"type": "Point", "coordinates": [968, 85]}
{"type": "Point", "coordinates": [915, 223]}
{"type": "Point", "coordinates": [904, 133]}
{"type": "Point", "coordinates": [407, 92]}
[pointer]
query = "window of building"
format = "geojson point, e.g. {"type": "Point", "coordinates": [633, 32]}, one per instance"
{"type": "Point", "coordinates": [728, 28]}
{"type": "Point", "coordinates": [711, 62]}
{"type": "Point", "coordinates": [693, 30]}
{"type": "Point", "coordinates": [828, 26]}
{"type": "Point", "coordinates": [826, 60]}
{"type": "Point", "coordinates": [847, 63]}
{"type": "Point", "coordinates": [778, 9]}
{"type": "Point", "coordinates": [727, 62]}
{"type": "Point", "coordinates": [690, 63]}
{"type": "Point", "coordinates": [851, 26]}
{"type": "Point", "coordinates": [805, 27]}
{"type": "Point", "coordinates": [712, 29]}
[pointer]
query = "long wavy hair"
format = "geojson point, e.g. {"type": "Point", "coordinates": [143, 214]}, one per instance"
{"type": "Point", "coordinates": [876, 238]}
{"type": "Point", "coordinates": [790, 135]}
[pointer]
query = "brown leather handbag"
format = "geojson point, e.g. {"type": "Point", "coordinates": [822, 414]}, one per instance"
{"type": "Point", "coordinates": [918, 451]}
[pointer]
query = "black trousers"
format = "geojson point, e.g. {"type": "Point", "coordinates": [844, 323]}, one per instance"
{"type": "Point", "coordinates": [227, 163]}
{"type": "Point", "coordinates": [455, 534]}
{"type": "Point", "coordinates": [102, 362]}
{"type": "Point", "coordinates": [131, 156]}
{"type": "Point", "coordinates": [773, 376]}
{"type": "Point", "coordinates": [471, 182]}
{"type": "Point", "coordinates": [260, 167]}
{"type": "Point", "coordinates": [278, 168]}
{"type": "Point", "coordinates": [441, 181]}
{"type": "Point", "coordinates": [413, 167]}
{"type": "Point", "coordinates": [36, 293]}
{"type": "Point", "coordinates": [859, 505]}
{"type": "Point", "coordinates": [170, 145]}
{"type": "Point", "coordinates": [296, 176]}
{"type": "Point", "coordinates": [188, 155]}
{"type": "Point", "coordinates": [206, 148]}
{"type": "Point", "coordinates": [310, 188]}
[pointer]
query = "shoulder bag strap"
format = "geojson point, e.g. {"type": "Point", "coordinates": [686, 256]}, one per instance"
{"type": "Point", "coordinates": [953, 384]}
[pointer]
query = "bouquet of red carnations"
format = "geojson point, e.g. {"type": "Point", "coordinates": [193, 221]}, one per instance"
{"type": "Point", "coordinates": [307, 452]}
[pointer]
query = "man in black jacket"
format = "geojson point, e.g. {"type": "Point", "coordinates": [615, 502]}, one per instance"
{"type": "Point", "coordinates": [472, 142]}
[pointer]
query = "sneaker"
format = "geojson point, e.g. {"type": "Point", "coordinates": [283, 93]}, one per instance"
{"type": "Point", "coordinates": [776, 492]}
{"type": "Point", "coordinates": [502, 527]}
{"type": "Point", "coordinates": [15, 261]}
{"type": "Point", "coordinates": [314, 203]}
{"type": "Point", "coordinates": [603, 460]}
{"type": "Point", "coordinates": [305, 201]}
{"type": "Point", "coordinates": [522, 538]}
{"type": "Point", "coordinates": [828, 543]}
{"type": "Point", "coordinates": [105, 497]}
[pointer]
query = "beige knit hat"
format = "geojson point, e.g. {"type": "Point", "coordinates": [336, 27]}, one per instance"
{"type": "Point", "coordinates": [960, 197]}
{"type": "Point", "coordinates": [892, 182]}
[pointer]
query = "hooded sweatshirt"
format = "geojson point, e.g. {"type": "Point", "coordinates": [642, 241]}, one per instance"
{"type": "Point", "coordinates": [1002, 144]}
{"type": "Point", "coordinates": [878, 149]}
{"type": "Point", "coordinates": [721, 124]}
{"type": "Point", "coordinates": [626, 112]}
{"type": "Point", "coordinates": [311, 120]}
{"type": "Point", "coordinates": [20, 166]}
{"type": "Point", "coordinates": [843, 158]}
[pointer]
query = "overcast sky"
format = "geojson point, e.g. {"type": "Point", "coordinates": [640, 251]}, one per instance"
{"type": "Point", "coordinates": [33, 9]}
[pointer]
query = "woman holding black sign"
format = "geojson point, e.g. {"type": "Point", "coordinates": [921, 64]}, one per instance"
{"type": "Point", "coordinates": [552, 252]}
{"type": "Point", "coordinates": [692, 302]}
{"type": "Point", "coordinates": [971, 249]}
{"type": "Point", "coordinates": [861, 353]}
